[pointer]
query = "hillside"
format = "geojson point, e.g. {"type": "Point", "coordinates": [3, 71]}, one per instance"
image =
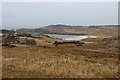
{"type": "Point", "coordinates": [107, 30]}
{"type": "Point", "coordinates": [97, 58]}
{"type": "Point", "coordinates": [100, 31]}
{"type": "Point", "coordinates": [27, 31]}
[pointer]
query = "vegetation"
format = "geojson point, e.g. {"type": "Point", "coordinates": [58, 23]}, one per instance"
{"type": "Point", "coordinates": [31, 42]}
{"type": "Point", "coordinates": [97, 58]}
{"type": "Point", "coordinates": [58, 62]}
{"type": "Point", "coordinates": [92, 39]}
{"type": "Point", "coordinates": [25, 35]}
{"type": "Point", "coordinates": [9, 39]}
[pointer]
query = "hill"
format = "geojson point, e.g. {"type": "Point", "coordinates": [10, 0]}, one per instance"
{"type": "Point", "coordinates": [27, 31]}
{"type": "Point", "coordinates": [101, 30]}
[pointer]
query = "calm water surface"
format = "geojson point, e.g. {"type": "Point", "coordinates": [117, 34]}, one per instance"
{"type": "Point", "coordinates": [68, 37]}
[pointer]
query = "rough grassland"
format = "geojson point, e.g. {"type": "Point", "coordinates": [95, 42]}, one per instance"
{"type": "Point", "coordinates": [97, 58]}
{"type": "Point", "coordinates": [72, 62]}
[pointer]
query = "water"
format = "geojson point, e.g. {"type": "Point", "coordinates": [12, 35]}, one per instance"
{"type": "Point", "coordinates": [68, 37]}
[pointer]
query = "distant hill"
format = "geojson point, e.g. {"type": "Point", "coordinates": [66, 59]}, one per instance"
{"type": "Point", "coordinates": [101, 30]}
{"type": "Point", "coordinates": [3, 31]}
{"type": "Point", "coordinates": [69, 26]}
{"type": "Point", "coordinates": [61, 26]}
{"type": "Point", "coordinates": [29, 31]}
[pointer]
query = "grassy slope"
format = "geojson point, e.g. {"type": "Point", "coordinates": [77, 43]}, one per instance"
{"type": "Point", "coordinates": [58, 62]}
{"type": "Point", "coordinates": [92, 60]}
{"type": "Point", "coordinates": [100, 31]}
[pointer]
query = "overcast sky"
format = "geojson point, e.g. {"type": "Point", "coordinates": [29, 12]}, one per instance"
{"type": "Point", "coordinates": [59, 0]}
{"type": "Point", "coordinates": [39, 14]}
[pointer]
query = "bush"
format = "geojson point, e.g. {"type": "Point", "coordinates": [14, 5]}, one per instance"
{"type": "Point", "coordinates": [24, 35]}
{"type": "Point", "coordinates": [31, 42]}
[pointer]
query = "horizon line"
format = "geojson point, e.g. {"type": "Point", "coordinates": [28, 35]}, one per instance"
{"type": "Point", "coordinates": [1, 28]}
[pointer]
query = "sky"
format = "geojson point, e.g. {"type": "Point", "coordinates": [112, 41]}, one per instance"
{"type": "Point", "coordinates": [59, 0]}
{"type": "Point", "coordinates": [39, 14]}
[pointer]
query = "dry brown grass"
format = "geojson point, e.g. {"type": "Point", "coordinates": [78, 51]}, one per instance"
{"type": "Point", "coordinates": [100, 31]}
{"type": "Point", "coordinates": [92, 60]}
{"type": "Point", "coordinates": [61, 61]}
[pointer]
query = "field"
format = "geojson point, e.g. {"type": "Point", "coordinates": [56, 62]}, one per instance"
{"type": "Point", "coordinates": [96, 58]}
{"type": "Point", "coordinates": [91, 60]}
